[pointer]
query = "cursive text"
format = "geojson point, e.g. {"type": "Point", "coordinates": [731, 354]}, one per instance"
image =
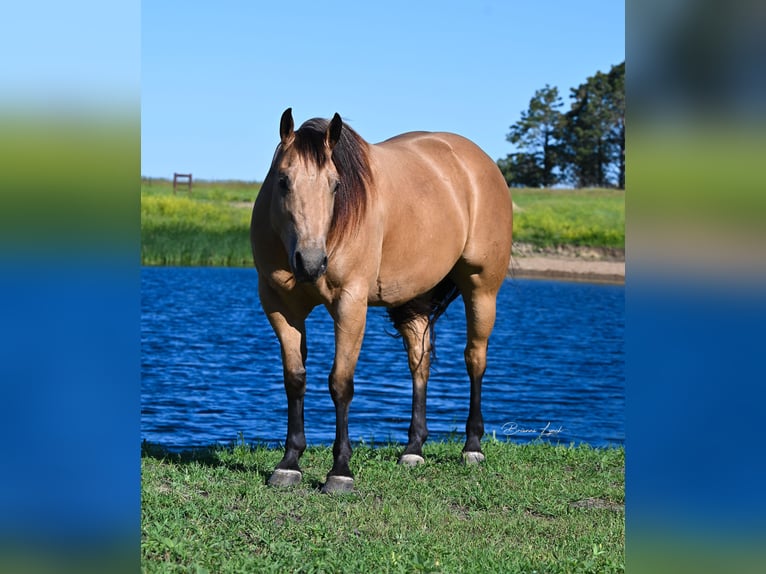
{"type": "Point", "coordinates": [510, 429]}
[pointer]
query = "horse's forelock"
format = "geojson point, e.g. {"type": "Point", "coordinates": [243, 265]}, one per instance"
{"type": "Point", "coordinates": [309, 141]}
{"type": "Point", "coordinates": [351, 160]}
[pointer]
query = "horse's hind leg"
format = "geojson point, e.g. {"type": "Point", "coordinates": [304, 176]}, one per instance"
{"type": "Point", "coordinates": [480, 319]}
{"type": "Point", "coordinates": [417, 341]}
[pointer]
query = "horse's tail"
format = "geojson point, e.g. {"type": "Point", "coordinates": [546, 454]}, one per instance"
{"type": "Point", "coordinates": [442, 295]}
{"type": "Point", "coordinates": [432, 306]}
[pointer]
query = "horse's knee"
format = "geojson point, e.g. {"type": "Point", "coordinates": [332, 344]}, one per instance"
{"type": "Point", "coordinates": [295, 383]}
{"type": "Point", "coordinates": [341, 388]}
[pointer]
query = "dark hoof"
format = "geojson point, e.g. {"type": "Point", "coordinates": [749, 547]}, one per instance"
{"type": "Point", "coordinates": [285, 477]}
{"type": "Point", "coordinates": [411, 459]}
{"type": "Point", "coordinates": [473, 457]}
{"type": "Point", "coordinates": [338, 484]}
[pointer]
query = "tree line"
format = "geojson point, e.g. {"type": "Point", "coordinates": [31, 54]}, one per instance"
{"type": "Point", "coordinates": [582, 147]}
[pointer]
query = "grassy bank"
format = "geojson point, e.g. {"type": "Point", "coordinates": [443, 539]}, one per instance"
{"type": "Point", "coordinates": [579, 217]}
{"type": "Point", "coordinates": [209, 226]}
{"type": "Point", "coordinates": [528, 508]}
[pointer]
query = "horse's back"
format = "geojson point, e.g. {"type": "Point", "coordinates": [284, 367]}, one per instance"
{"type": "Point", "coordinates": [446, 203]}
{"type": "Point", "coordinates": [455, 165]}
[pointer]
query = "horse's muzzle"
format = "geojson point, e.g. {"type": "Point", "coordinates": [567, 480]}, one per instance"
{"type": "Point", "coordinates": [309, 264]}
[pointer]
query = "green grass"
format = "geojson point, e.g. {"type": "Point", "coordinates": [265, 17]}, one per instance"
{"type": "Point", "coordinates": [210, 225]}
{"type": "Point", "coordinates": [582, 217]}
{"type": "Point", "coordinates": [528, 508]}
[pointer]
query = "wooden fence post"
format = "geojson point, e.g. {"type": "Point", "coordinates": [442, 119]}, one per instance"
{"type": "Point", "coordinates": [181, 177]}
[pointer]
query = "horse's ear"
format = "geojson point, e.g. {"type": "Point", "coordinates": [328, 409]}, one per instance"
{"type": "Point", "coordinates": [333, 131]}
{"type": "Point", "coordinates": [286, 133]}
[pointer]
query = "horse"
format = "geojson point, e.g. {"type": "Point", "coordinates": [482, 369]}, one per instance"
{"type": "Point", "coordinates": [409, 223]}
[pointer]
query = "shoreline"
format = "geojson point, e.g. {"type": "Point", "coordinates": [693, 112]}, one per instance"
{"type": "Point", "coordinates": [568, 264]}
{"type": "Point", "coordinates": [563, 263]}
{"type": "Point", "coordinates": [539, 267]}
{"type": "Point", "coordinates": [612, 272]}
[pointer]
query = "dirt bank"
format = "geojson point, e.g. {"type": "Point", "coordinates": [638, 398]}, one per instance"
{"type": "Point", "coordinates": [568, 263]}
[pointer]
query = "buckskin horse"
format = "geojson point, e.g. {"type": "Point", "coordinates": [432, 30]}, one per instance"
{"type": "Point", "coordinates": [409, 223]}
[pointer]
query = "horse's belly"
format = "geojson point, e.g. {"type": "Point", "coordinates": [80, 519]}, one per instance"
{"type": "Point", "coordinates": [401, 279]}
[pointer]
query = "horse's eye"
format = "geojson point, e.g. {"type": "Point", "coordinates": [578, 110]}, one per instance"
{"type": "Point", "coordinates": [336, 187]}
{"type": "Point", "coordinates": [284, 184]}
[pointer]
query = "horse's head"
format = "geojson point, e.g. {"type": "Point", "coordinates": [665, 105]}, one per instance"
{"type": "Point", "coordinates": [303, 182]}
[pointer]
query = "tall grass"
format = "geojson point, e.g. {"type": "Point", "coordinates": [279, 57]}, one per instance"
{"type": "Point", "coordinates": [210, 225]}
{"type": "Point", "coordinates": [181, 230]}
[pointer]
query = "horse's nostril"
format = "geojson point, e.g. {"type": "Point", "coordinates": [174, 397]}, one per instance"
{"type": "Point", "coordinates": [309, 264]}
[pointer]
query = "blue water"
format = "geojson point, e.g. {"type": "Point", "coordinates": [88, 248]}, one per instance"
{"type": "Point", "coordinates": [211, 369]}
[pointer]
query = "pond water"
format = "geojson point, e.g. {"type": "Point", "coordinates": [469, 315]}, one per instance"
{"type": "Point", "coordinates": [211, 370]}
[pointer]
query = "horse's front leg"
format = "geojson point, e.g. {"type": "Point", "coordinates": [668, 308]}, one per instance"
{"type": "Point", "coordinates": [289, 326]}
{"type": "Point", "coordinates": [350, 315]}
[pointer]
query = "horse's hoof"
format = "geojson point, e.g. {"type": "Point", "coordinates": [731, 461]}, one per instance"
{"type": "Point", "coordinates": [338, 484]}
{"type": "Point", "coordinates": [473, 457]}
{"type": "Point", "coordinates": [285, 477]}
{"type": "Point", "coordinates": [411, 459]}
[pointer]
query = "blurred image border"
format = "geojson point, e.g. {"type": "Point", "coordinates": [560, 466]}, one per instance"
{"type": "Point", "coordinates": [695, 278]}
{"type": "Point", "coordinates": [70, 496]}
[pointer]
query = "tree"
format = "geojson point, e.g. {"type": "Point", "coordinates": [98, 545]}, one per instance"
{"type": "Point", "coordinates": [538, 134]}
{"type": "Point", "coordinates": [594, 131]}
{"type": "Point", "coordinates": [521, 170]}
{"type": "Point", "coordinates": [617, 108]}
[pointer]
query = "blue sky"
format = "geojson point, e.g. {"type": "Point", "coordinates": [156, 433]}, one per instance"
{"type": "Point", "coordinates": [216, 76]}
{"type": "Point", "coordinates": [78, 55]}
